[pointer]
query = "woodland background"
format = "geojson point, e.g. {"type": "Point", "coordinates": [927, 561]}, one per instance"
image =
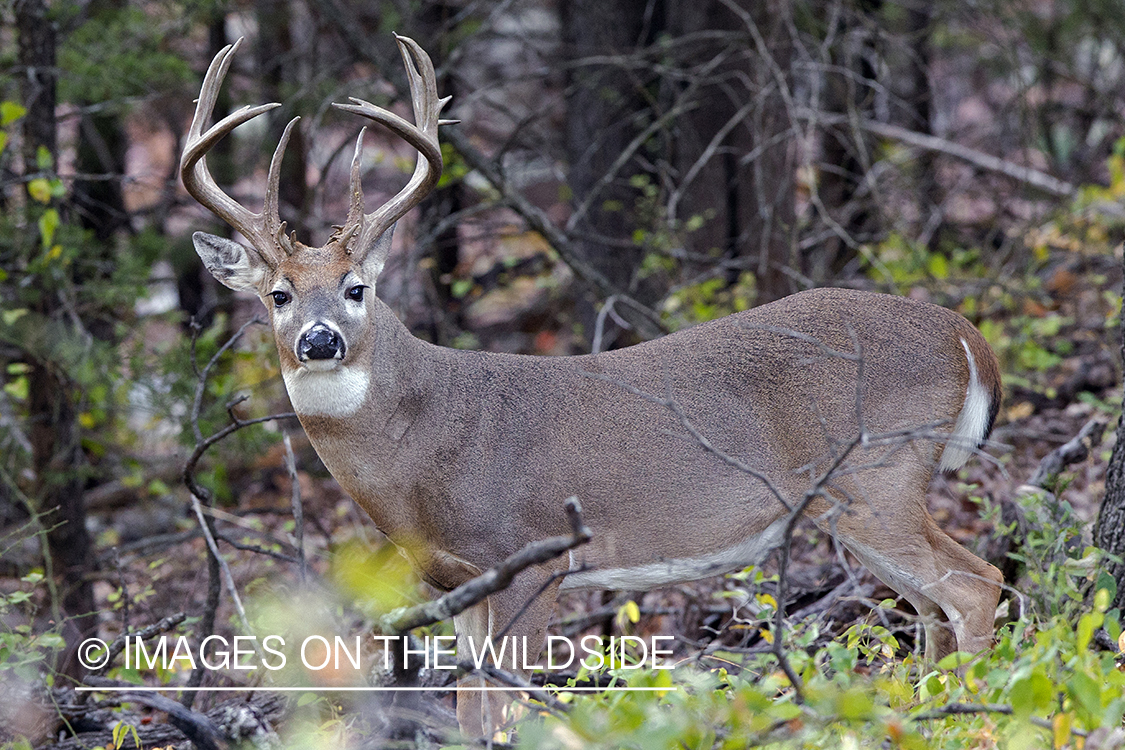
{"type": "Point", "coordinates": [623, 168]}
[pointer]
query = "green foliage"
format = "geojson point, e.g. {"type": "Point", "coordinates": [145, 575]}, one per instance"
{"type": "Point", "coordinates": [708, 300]}
{"type": "Point", "coordinates": [1025, 343]}
{"type": "Point", "coordinates": [1041, 674]}
{"type": "Point", "coordinates": [1058, 568]}
{"type": "Point", "coordinates": [120, 54]}
{"type": "Point", "coordinates": [901, 263]}
{"type": "Point", "coordinates": [25, 651]}
{"type": "Point", "coordinates": [1044, 684]}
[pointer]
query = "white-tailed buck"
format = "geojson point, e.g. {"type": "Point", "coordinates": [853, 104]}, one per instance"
{"type": "Point", "coordinates": [463, 457]}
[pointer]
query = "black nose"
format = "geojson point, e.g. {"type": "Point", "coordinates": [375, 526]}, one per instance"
{"type": "Point", "coordinates": [320, 342]}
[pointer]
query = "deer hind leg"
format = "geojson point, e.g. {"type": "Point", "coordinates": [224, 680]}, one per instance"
{"type": "Point", "coordinates": [480, 713]}
{"type": "Point", "coordinates": [954, 591]}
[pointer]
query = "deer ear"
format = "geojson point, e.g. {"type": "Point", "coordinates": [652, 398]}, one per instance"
{"type": "Point", "coordinates": [375, 257]}
{"type": "Point", "coordinates": [230, 263]}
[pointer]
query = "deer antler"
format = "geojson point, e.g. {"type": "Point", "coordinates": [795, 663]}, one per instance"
{"type": "Point", "coordinates": [265, 231]}
{"type": "Point", "coordinates": [423, 136]}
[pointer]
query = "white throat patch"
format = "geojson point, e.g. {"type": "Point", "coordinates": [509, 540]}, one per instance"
{"type": "Point", "coordinates": [338, 392]}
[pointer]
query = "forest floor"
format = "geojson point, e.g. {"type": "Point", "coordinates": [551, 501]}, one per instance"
{"type": "Point", "coordinates": [151, 556]}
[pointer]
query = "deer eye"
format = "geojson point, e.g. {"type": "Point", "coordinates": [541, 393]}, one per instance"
{"type": "Point", "coordinates": [355, 293]}
{"type": "Point", "coordinates": [279, 298]}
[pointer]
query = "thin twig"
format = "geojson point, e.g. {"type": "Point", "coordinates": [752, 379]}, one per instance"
{"type": "Point", "coordinates": [214, 547]}
{"type": "Point", "coordinates": [298, 512]}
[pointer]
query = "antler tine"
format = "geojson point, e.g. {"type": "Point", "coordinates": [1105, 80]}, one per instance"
{"type": "Point", "coordinates": [270, 217]}
{"type": "Point", "coordinates": [261, 229]}
{"type": "Point", "coordinates": [422, 135]}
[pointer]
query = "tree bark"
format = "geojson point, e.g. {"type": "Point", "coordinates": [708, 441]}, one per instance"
{"type": "Point", "coordinates": [745, 194]}
{"type": "Point", "coordinates": [56, 452]}
{"type": "Point", "coordinates": [447, 313]}
{"type": "Point", "coordinates": [1109, 529]}
{"type": "Point", "coordinates": [844, 152]}
{"type": "Point", "coordinates": [278, 70]}
{"type": "Point", "coordinates": [602, 100]}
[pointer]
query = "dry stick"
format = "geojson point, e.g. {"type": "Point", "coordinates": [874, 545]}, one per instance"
{"type": "Point", "coordinates": [214, 547]}
{"type": "Point", "coordinates": [256, 549]}
{"type": "Point", "coordinates": [298, 512]}
{"type": "Point", "coordinates": [199, 493]}
{"type": "Point", "coordinates": [119, 643]}
{"type": "Point", "coordinates": [1075, 450]}
{"type": "Point", "coordinates": [198, 728]}
{"type": "Point", "coordinates": [478, 589]}
{"type": "Point", "coordinates": [492, 580]}
{"type": "Point", "coordinates": [1027, 175]}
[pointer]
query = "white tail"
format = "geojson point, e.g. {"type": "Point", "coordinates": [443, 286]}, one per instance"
{"type": "Point", "coordinates": [461, 457]}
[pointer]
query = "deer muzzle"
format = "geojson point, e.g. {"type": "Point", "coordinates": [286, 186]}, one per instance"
{"type": "Point", "coordinates": [320, 342]}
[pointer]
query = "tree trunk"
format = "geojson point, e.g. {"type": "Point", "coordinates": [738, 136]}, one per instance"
{"type": "Point", "coordinates": [844, 160]}
{"type": "Point", "coordinates": [56, 451]}
{"type": "Point", "coordinates": [745, 195]}
{"type": "Point", "coordinates": [602, 101]}
{"type": "Point", "coordinates": [446, 312]}
{"type": "Point", "coordinates": [279, 77]}
{"type": "Point", "coordinates": [1109, 530]}
{"type": "Point", "coordinates": [197, 289]}
{"type": "Point", "coordinates": [920, 101]}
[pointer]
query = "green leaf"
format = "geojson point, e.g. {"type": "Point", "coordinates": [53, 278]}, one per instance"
{"type": "Point", "coordinates": [855, 703]}
{"type": "Point", "coordinates": [939, 266]}
{"type": "Point", "coordinates": [10, 112]}
{"type": "Point", "coordinates": [18, 388]}
{"type": "Point", "coordinates": [48, 223]}
{"type": "Point", "coordinates": [43, 158]}
{"type": "Point", "coordinates": [1087, 695]}
{"type": "Point", "coordinates": [954, 660]}
{"type": "Point", "coordinates": [40, 189]}
{"type": "Point", "coordinates": [460, 287]}
{"type": "Point", "coordinates": [1032, 693]}
{"type": "Point", "coordinates": [11, 316]}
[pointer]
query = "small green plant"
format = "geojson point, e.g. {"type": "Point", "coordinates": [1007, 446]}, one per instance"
{"type": "Point", "coordinates": [1044, 685]}
{"type": "Point", "coordinates": [25, 651]}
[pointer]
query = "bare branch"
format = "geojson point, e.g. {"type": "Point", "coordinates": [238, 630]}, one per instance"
{"type": "Point", "coordinates": [1076, 450]}
{"type": "Point", "coordinates": [295, 503]}
{"type": "Point", "coordinates": [492, 580]}
{"type": "Point", "coordinates": [647, 320]}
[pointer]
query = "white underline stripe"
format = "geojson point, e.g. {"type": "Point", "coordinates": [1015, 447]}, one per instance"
{"type": "Point", "coordinates": [481, 688]}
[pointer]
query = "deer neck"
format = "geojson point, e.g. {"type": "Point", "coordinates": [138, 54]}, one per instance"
{"type": "Point", "coordinates": [368, 421]}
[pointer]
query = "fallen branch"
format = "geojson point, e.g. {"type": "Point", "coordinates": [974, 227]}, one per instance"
{"type": "Point", "coordinates": [1074, 451]}
{"type": "Point", "coordinates": [239, 722]}
{"type": "Point", "coordinates": [962, 709]}
{"type": "Point", "coordinates": [202, 732]}
{"type": "Point", "coordinates": [492, 580]}
{"type": "Point", "coordinates": [119, 643]}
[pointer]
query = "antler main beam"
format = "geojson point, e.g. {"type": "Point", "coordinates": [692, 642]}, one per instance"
{"type": "Point", "coordinates": [265, 231]}
{"type": "Point", "coordinates": [423, 136]}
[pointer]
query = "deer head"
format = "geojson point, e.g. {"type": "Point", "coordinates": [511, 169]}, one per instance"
{"type": "Point", "coordinates": [318, 297]}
